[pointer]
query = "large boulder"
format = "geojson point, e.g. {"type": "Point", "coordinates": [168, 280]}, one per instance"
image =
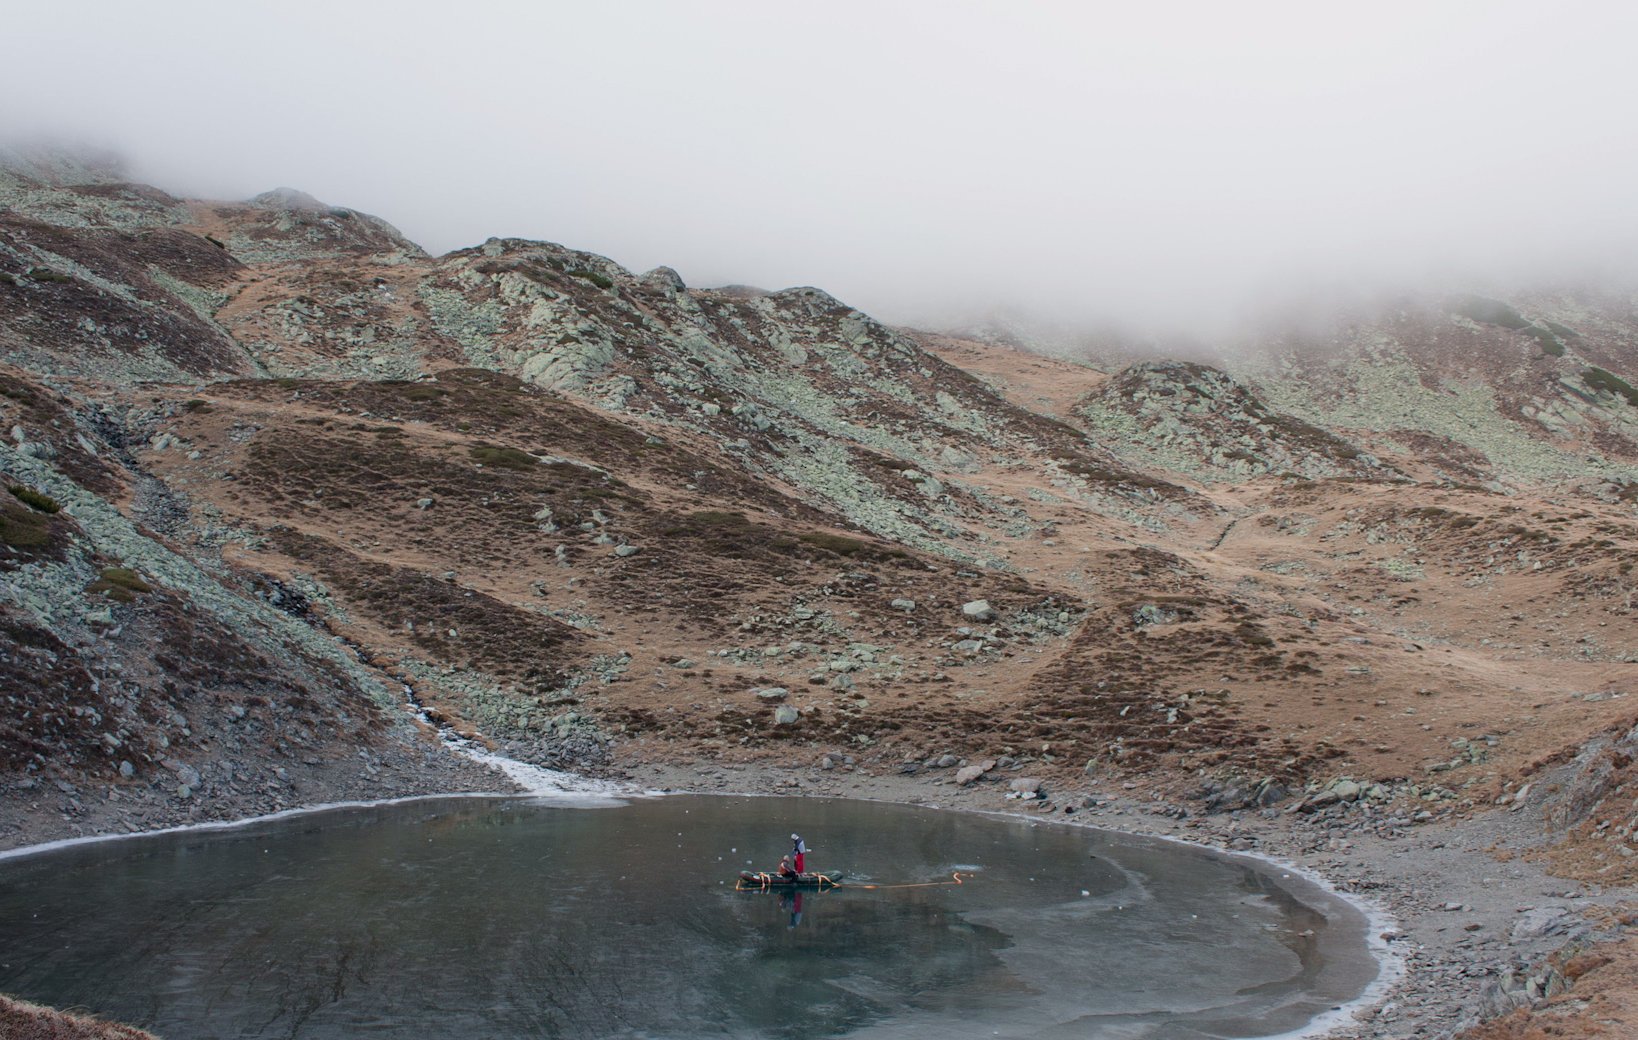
{"type": "Point", "coordinates": [978, 610]}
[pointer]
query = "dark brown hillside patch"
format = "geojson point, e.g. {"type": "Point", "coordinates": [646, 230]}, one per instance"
{"type": "Point", "coordinates": [58, 714]}
{"type": "Point", "coordinates": [512, 645]}
{"type": "Point", "coordinates": [49, 416]}
{"type": "Point", "coordinates": [499, 410]}
{"type": "Point", "coordinates": [75, 320]}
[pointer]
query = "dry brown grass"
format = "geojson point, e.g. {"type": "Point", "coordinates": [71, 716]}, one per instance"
{"type": "Point", "coordinates": [20, 1020]}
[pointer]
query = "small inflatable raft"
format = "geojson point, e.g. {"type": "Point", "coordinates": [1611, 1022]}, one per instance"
{"type": "Point", "coordinates": [749, 879]}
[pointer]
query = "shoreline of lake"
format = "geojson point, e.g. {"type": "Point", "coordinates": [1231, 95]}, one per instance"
{"type": "Point", "coordinates": [1408, 883]}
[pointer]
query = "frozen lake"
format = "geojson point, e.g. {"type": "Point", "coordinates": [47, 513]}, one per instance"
{"type": "Point", "coordinates": [483, 918]}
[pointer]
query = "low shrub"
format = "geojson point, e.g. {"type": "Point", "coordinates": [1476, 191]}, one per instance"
{"type": "Point", "coordinates": [22, 528]}
{"type": "Point", "coordinates": [119, 584]}
{"type": "Point", "coordinates": [1252, 634]}
{"type": "Point", "coordinates": [1599, 379]}
{"type": "Point", "coordinates": [1549, 343]}
{"type": "Point", "coordinates": [34, 499]}
{"type": "Point", "coordinates": [503, 458]}
{"type": "Point", "coordinates": [841, 545]}
{"type": "Point", "coordinates": [592, 277]}
{"type": "Point", "coordinates": [1489, 312]}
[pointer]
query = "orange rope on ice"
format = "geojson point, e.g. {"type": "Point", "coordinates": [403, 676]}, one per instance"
{"type": "Point", "coordinates": [924, 884]}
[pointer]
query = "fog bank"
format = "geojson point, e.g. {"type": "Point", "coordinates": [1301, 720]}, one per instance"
{"type": "Point", "coordinates": [1165, 167]}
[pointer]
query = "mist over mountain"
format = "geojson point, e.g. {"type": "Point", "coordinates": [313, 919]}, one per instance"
{"type": "Point", "coordinates": [1169, 170]}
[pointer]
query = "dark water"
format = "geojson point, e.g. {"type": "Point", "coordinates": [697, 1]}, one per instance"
{"type": "Point", "coordinates": [510, 918]}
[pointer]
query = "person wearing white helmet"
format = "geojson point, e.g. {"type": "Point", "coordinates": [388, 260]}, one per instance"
{"type": "Point", "coordinates": [799, 851]}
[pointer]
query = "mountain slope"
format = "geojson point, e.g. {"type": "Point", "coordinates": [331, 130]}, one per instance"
{"type": "Point", "coordinates": [600, 518]}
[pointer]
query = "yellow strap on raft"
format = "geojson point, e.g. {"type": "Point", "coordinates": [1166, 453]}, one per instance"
{"type": "Point", "coordinates": [766, 880]}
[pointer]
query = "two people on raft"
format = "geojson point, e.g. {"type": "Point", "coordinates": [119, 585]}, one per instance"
{"type": "Point", "coordinates": [793, 864]}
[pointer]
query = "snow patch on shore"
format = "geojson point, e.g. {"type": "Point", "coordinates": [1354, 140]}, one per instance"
{"type": "Point", "coordinates": [554, 786]}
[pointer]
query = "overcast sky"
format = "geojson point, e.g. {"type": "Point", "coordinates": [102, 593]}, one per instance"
{"type": "Point", "coordinates": [1150, 161]}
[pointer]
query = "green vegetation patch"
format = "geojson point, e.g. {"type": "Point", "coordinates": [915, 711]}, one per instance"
{"type": "Point", "coordinates": [23, 528]}
{"type": "Point", "coordinates": [841, 545]}
{"type": "Point", "coordinates": [118, 584]}
{"type": "Point", "coordinates": [34, 499]}
{"type": "Point", "coordinates": [46, 274]}
{"type": "Point", "coordinates": [1489, 312]}
{"type": "Point", "coordinates": [592, 277]}
{"type": "Point", "coordinates": [1549, 343]}
{"type": "Point", "coordinates": [1599, 379]}
{"type": "Point", "coordinates": [1561, 331]}
{"type": "Point", "coordinates": [503, 458]}
{"type": "Point", "coordinates": [422, 392]}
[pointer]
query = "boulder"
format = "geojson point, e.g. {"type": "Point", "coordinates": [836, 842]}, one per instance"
{"type": "Point", "coordinates": [968, 774]}
{"type": "Point", "coordinates": [184, 772]}
{"type": "Point", "coordinates": [665, 279]}
{"type": "Point", "coordinates": [1319, 801]}
{"type": "Point", "coordinates": [1026, 785]}
{"type": "Point", "coordinates": [1346, 790]}
{"type": "Point", "coordinates": [1226, 800]}
{"type": "Point", "coordinates": [906, 605]}
{"type": "Point", "coordinates": [978, 610]}
{"type": "Point", "coordinates": [1536, 924]}
{"type": "Point", "coordinates": [626, 550]}
{"type": "Point", "coordinates": [946, 761]}
{"type": "Point", "coordinates": [785, 715]}
{"type": "Point", "coordinates": [772, 693]}
{"type": "Point", "coordinates": [1270, 793]}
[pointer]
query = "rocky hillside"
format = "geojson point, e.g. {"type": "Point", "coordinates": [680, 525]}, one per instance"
{"type": "Point", "coordinates": [277, 474]}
